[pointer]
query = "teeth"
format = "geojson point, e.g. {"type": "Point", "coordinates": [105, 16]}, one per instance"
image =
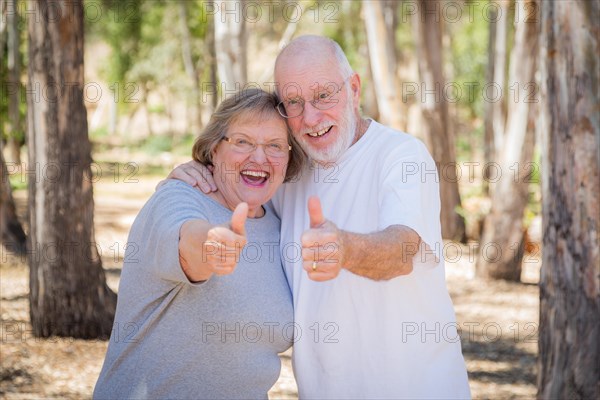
{"type": "Point", "coordinates": [258, 174]}
{"type": "Point", "coordinates": [319, 133]}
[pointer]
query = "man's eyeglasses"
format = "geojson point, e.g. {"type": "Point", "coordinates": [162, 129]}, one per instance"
{"type": "Point", "coordinates": [324, 100]}
{"type": "Point", "coordinates": [243, 144]}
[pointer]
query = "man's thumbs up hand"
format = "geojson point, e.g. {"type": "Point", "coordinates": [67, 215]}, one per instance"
{"type": "Point", "coordinates": [322, 247]}
{"type": "Point", "coordinates": [315, 212]}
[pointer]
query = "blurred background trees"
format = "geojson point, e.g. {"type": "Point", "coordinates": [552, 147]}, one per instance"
{"type": "Point", "coordinates": [513, 152]}
{"type": "Point", "coordinates": [68, 294]}
{"type": "Point", "coordinates": [569, 350]}
{"type": "Point", "coordinates": [480, 82]}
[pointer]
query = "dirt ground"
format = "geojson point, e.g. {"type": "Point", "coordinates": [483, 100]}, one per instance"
{"type": "Point", "coordinates": [498, 320]}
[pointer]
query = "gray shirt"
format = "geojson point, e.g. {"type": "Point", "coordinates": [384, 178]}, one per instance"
{"type": "Point", "coordinates": [175, 339]}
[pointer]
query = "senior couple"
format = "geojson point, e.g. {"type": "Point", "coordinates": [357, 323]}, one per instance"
{"type": "Point", "coordinates": [311, 232]}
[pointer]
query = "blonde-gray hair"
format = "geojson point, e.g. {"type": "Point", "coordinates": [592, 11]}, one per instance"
{"type": "Point", "coordinates": [252, 103]}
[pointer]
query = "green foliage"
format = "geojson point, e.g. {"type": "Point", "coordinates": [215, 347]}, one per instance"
{"type": "Point", "coordinates": [156, 144]}
{"type": "Point", "coordinates": [468, 141]}
{"type": "Point", "coordinates": [6, 89]}
{"type": "Point", "coordinates": [405, 45]}
{"type": "Point", "coordinates": [18, 181]}
{"type": "Point", "coordinates": [159, 54]}
{"type": "Point", "coordinates": [119, 24]}
{"type": "Point", "coordinates": [348, 33]}
{"type": "Point", "coordinates": [99, 133]}
{"type": "Point", "coordinates": [352, 38]}
{"type": "Point", "coordinates": [183, 145]}
{"type": "Point", "coordinates": [534, 204]}
{"type": "Point", "coordinates": [469, 55]}
{"type": "Point", "coordinates": [197, 20]}
{"type": "Point", "coordinates": [4, 97]}
{"type": "Point", "coordinates": [146, 55]}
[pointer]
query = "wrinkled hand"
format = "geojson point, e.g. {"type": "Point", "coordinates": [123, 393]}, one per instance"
{"type": "Point", "coordinates": [322, 246]}
{"type": "Point", "coordinates": [223, 246]}
{"type": "Point", "coordinates": [194, 174]}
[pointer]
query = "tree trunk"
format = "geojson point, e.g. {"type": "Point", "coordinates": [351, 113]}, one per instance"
{"type": "Point", "coordinates": [3, 24]}
{"type": "Point", "coordinates": [68, 291]}
{"type": "Point", "coordinates": [436, 124]}
{"type": "Point", "coordinates": [190, 69]}
{"type": "Point", "coordinates": [14, 83]}
{"type": "Point", "coordinates": [569, 350]}
{"type": "Point", "coordinates": [230, 44]}
{"type": "Point", "coordinates": [3, 40]}
{"type": "Point", "coordinates": [382, 56]}
{"type": "Point", "coordinates": [488, 135]}
{"type": "Point", "coordinates": [368, 93]}
{"type": "Point", "coordinates": [211, 52]}
{"type": "Point", "coordinates": [501, 249]}
{"type": "Point", "coordinates": [499, 83]}
{"type": "Point", "coordinates": [12, 235]}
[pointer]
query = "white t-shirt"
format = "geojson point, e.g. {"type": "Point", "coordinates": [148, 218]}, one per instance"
{"type": "Point", "coordinates": [359, 338]}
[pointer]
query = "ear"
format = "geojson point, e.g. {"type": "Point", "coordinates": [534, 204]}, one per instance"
{"type": "Point", "coordinates": [355, 87]}
{"type": "Point", "coordinates": [213, 152]}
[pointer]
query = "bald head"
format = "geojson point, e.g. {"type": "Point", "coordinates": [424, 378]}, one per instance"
{"type": "Point", "coordinates": [321, 94]}
{"type": "Point", "coordinates": [305, 50]}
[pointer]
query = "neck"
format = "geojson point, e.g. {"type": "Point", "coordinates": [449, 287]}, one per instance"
{"type": "Point", "coordinates": [253, 212]}
{"type": "Point", "coordinates": [361, 128]}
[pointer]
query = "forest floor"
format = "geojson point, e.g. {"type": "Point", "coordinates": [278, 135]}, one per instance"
{"type": "Point", "coordinates": [498, 320]}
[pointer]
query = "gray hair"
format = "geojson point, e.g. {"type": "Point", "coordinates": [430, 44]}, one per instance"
{"type": "Point", "coordinates": [254, 104]}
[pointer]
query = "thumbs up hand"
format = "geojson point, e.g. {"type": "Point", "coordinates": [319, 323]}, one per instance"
{"type": "Point", "coordinates": [224, 243]}
{"type": "Point", "coordinates": [221, 246]}
{"type": "Point", "coordinates": [322, 247]}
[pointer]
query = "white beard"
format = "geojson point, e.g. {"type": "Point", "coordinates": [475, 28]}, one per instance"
{"type": "Point", "coordinates": [346, 129]}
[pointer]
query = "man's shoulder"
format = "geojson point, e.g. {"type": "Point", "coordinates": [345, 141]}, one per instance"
{"type": "Point", "coordinates": [390, 140]}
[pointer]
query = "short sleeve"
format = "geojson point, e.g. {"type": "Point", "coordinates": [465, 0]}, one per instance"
{"type": "Point", "coordinates": [410, 196]}
{"type": "Point", "coordinates": [154, 237]}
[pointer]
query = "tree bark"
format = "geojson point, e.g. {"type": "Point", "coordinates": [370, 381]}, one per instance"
{"type": "Point", "coordinates": [3, 40]}
{"type": "Point", "coordinates": [436, 124]}
{"type": "Point", "coordinates": [382, 56]}
{"type": "Point", "coordinates": [190, 69]}
{"type": "Point", "coordinates": [12, 235]}
{"type": "Point", "coordinates": [2, 27]}
{"type": "Point", "coordinates": [68, 291]}
{"type": "Point", "coordinates": [488, 135]}
{"type": "Point", "coordinates": [211, 55]}
{"type": "Point", "coordinates": [230, 44]}
{"type": "Point", "coordinates": [499, 107]}
{"type": "Point", "coordinates": [14, 83]}
{"type": "Point", "coordinates": [569, 350]}
{"type": "Point", "coordinates": [501, 249]}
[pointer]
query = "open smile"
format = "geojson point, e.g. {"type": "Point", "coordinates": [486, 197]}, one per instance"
{"type": "Point", "coordinates": [320, 133]}
{"type": "Point", "coordinates": [254, 178]}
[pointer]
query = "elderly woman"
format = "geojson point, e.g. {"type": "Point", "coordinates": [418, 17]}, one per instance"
{"type": "Point", "coordinates": [204, 307]}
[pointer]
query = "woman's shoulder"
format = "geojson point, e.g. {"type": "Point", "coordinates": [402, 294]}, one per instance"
{"type": "Point", "coordinates": [176, 197]}
{"type": "Point", "coordinates": [175, 186]}
{"type": "Point", "coordinates": [178, 192]}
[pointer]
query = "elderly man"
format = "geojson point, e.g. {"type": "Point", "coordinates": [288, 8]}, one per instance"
{"type": "Point", "coordinates": [372, 312]}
